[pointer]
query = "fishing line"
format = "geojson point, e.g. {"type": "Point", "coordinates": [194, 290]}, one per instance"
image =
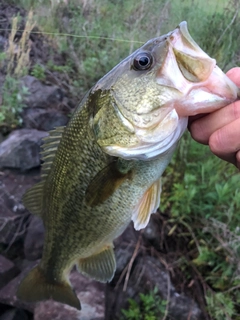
{"type": "Point", "coordinates": [74, 35]}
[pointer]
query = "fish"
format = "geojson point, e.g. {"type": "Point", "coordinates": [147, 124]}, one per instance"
{"type": "Point", "coordinates": [103, 170]}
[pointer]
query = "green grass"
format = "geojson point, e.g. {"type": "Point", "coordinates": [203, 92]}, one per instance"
{"type": "Point", "coordinates": [209, 7]}
{"type": "Point", "coordinates": [146, 307]}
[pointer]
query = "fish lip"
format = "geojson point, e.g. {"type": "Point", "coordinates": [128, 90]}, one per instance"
{"type": "Point", "coordinates": [185, 109]}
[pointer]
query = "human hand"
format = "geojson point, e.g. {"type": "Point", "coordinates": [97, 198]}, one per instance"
{"type": "Point", "coordinates": [221, 129]}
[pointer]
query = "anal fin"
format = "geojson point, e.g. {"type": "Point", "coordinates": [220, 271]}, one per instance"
{"type": "Point", "coordinates": [147, 205]}
{"type": "Point", "coordinates": [100, 266]}
{"type": "Point", "coordinates": [32, 199]}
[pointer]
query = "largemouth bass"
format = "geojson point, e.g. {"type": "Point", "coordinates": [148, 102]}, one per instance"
{"type": "Point", "coordinates": [103, 169]}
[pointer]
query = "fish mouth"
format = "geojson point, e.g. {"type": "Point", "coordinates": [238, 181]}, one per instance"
{"type": "Point", "coordinates": [203, 85]}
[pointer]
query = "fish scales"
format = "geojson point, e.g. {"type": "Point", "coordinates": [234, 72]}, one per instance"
{"type": "Point", "coordinates": [103, 169]}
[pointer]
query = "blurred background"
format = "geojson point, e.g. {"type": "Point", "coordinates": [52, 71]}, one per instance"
{"type": "Point", "coordinates": [186, 263]}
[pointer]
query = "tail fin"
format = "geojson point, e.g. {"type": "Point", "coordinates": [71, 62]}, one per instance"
{"type": "Point", "coordinates": [35, 287]}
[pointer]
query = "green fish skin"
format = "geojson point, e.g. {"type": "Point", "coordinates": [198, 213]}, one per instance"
{"type": "Point", "coordinates": [103, 169]}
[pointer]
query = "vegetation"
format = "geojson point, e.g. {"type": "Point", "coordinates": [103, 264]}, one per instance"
{"type": "Point", "coordinates": [201, 193]}
{"type": "Point", "coordinates": [16, 62]}
{"type": "Point", "coordinates": [149, 307]}
{"type": "Point", "coordinates": [12, 102]}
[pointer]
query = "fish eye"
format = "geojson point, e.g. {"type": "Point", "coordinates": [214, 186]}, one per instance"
{"type": "Point", "coordinates": [143, 61]}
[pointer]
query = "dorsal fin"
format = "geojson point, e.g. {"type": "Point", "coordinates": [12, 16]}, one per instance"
{"type": "Point", "coordinates": [49, 149]}
{"type": "Point", "coordinates": [33, 198]}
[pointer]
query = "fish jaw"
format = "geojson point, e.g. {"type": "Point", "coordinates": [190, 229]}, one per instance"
{"type": "Point", "coordinates": [217, 92]}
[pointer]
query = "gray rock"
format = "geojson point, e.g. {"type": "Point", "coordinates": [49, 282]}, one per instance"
{"type": "Point", "coordinates": [154, 274]}
{"type": "Point", "coordinates": [124, 248]}
{"type": "Point", "coordinates": [8, 292]}
{"type": "Point", "coordinates": [148, 273]}
{"type": "Point", "coordinates": [14, 314]}
{"type": "Point", "coordinates": [41, 95]}
{"type": "Point", "coordinates": [43, 103]}
{"type": "Point", "coordinates": [152, 231]}
{"type": "Point", "coordinates": [44, 119]}
{"type": "Point", "coordinates": [90, 293]}
{"type": "Point", "coordinates": [1, 137]}
{"type": "Point", "coordinates": [33, 243]}
{"type": "Point", "coordinates": [3, 43]}
{"type": "Point", "coordinates": [12, 227]}
{"type": "Point", "coordinates": [21, 149]}
{"type": "Point", "coordinates": [8, 271]}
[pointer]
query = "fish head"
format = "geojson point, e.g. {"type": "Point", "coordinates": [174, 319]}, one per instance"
{"type": "Point", "coordinates": [153, 91]}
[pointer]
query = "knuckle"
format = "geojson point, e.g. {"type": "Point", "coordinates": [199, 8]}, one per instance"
{"type": "Point", "coordinates": [197, 132]}
{"type": "Point", "coordinates": [215, 142]}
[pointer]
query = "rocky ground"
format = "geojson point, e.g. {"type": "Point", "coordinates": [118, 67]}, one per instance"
{"type": "Point", "coordinates": [141, 256]}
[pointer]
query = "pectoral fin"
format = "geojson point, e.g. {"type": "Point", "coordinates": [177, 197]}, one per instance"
{"type": "Point", "coordinates": [100, 266]}
{"type": "Point", "coordinates": [147, 205]}
{"type": "Point", "coordinates": [104, 184]}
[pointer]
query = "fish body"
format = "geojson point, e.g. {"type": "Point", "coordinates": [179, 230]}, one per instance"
{"type": "Point", "coordinates": [103, 169]}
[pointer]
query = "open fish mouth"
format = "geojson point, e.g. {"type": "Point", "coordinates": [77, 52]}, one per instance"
{"type": "Point", "coordinates": [204, 86]}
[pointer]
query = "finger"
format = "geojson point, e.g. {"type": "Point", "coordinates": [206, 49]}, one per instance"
{"type": "Point", "coordinates": [233, 74]}
{"type": "Point", "coordinates": [203, 128]}
{"type": "Point", "coordinates": [225, 142]}
{"type": "Point", "coordinates": [196, 117]}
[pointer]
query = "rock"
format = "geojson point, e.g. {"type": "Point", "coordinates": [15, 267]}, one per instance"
{"type": "Point", "coordinates": [14, 314]}
{"type": "Point", "coordinates": [8, 271]}
{"type": "Point", "coordinates": [91, 295]}
{"type": "Point", "coordinates": [8, 293]}
{"type": "Point", "coordinates": [3, 43]}
{"type": "Point", "coordinates": [21, 149]}
{"type": "Point", "coordinates": [154, 274]}
{"type": "Point", "coordinates": [33, 243]}
{"type": "Point", "coordinates": [124, 248]}
{"type": "Point", "coordinates": [12, 227]}
{"type": "Point", "coordinates": [148, 273]}
{"type": "Point", "coordinates": [1, 137]}
{"type": "Point", "coordinates": [44, 119]}
{"type": "Point", "coordinates": [42, 105]}
{"type": "Point", "coordinates": [41, 95]}
{"type": "Point", "coordinates": [152, 232]}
